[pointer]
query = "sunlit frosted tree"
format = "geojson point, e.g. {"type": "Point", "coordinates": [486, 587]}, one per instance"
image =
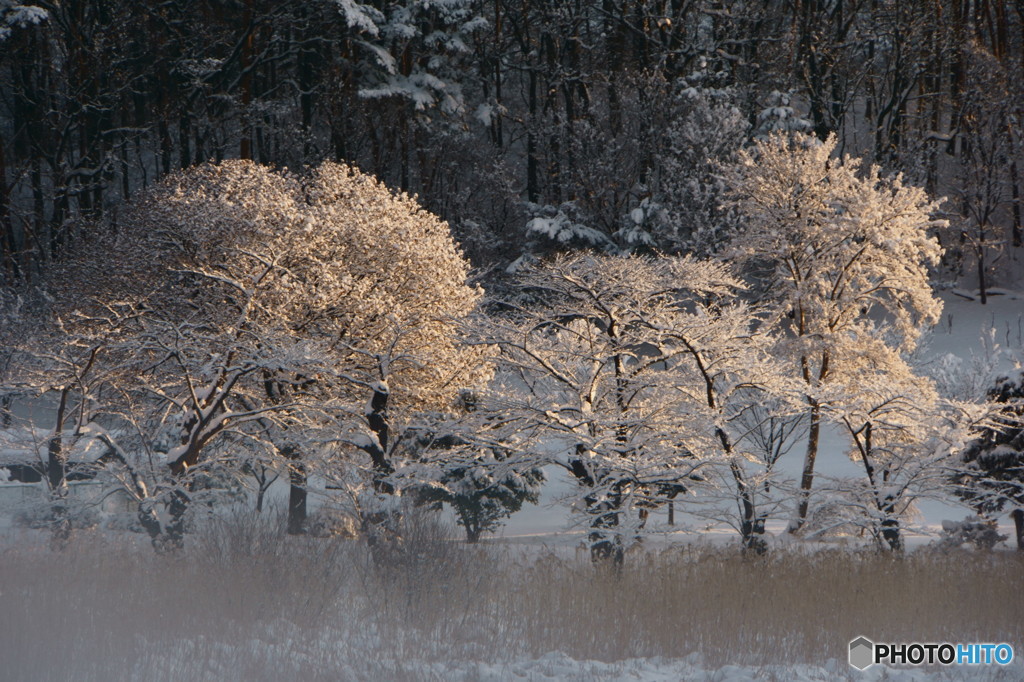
{"type": "Point", "coordinates": [840, 252]}
{"type": "Point", "coordinates": [268, 313]}
{"type": "Point", "coordinates": [629, 373]}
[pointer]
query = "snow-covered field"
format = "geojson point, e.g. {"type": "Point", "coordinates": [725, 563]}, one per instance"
{"type": "Point", "coordinates": [551, 667]}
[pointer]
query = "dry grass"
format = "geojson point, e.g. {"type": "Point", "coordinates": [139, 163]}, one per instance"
{"type": "Point", "coordinates": [781, 608]}
{"type": "Point", "coordinates": [245, 602]}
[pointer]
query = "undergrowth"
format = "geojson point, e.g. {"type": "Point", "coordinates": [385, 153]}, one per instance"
{"type": "Point", "coordinates": [245, 601]}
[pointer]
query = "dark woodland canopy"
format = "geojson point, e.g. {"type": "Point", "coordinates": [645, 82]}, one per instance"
{"type": "Point", "coordinates": [492, 110]}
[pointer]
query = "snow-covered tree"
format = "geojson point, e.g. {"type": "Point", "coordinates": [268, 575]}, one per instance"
{"type": "Point", "coordinates": [482, 482]}
{"type": "Point", "coordinates": [410, 46]}
{"type": "Point", "coordinates": [707, 132]}
{"type": "Point", "coordinates": [263, 312]}
{"type": "Point", "coordinates": [779, 117]}
{"type": "Point", "coordinates": [900, 432]}
{"type": "Point", "coordinates": [992, 477]}
{"type": "Point", "coordinates": [405, 66]}
{"type": "Point", "coordinates": [628, 373]}
{"type": "Point", "coordinates": [16, 15]}
{"type": "Point", "coordinates": [56, 369]}
{"type": "Point", "coordinates": [839, 252]}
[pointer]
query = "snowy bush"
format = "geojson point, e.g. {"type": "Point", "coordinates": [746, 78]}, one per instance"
{"type": "Point", "coordinates": [563, 228]}
{"type": "Point", "coordinates": [779, 117]}
{"type": "Point", "coordinates": [992, 474]}
{"type": "Point", "coordinates": [483, 484]}
{"type": "Point", "coordinates": [983, 534]}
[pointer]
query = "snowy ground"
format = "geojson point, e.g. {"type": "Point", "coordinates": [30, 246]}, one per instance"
{"type": "Point", "coordinates": [558, 667]}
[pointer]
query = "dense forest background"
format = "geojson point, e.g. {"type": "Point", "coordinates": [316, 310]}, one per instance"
{"type": "Point", "coordinates": [527, 124]}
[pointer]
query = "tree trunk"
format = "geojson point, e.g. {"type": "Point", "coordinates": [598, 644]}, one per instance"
{"type": "Point", "coordinates": [982, 284]}
{"type": "Point", "coordinates": [297, 498]}
{"type": "Point", "coordinates": [891, 534]}
{"type": "Point", "coordinates": [166, 146]}
{"type": "Point", "coordinates": [532, 184]}
{"type": "Point", "coordinates": [605, 544]}
{"type": "Point", "coordinates": [173, 537]}
{"type": "Point", "coordinates": [8, 245]}
{"type": "Point", "coordinates": [885, 505]}
{"type": "Point", "coordinates": [891, 527]}
{"type": "Point", "coordinates": [5, 410]}
{"type": "Point", "coordinates": [807, 477]}
{"type": "Point", "coordinates": [150, 522]}
{"type": "Point", "coordinates": [184, 156]}
{"type": "Point", "coordinates": [378, 423]}
{"type": "Point", "coordinates": [297, 494]}
{"type": "Point", "coordinates": [1018, 238]}
{"type": "Point", "coordinates": [751, 526]}
{"type": "Point", "coordinates": [472, 530]}
{"type": "Point", "coordinates": [305, 66]}
{"type": "Point", "coordinates": [1018, 522]}
{"type": "Point", "coordinates": [497, 135]}
{"type": "Point", "coordinates": [56, 472]}
{"type": "Point", "coordinates": [605, 549]}
{"type": "Point", "coordinates": [374, 520]}
{"type": "Point", "coordinates": [263, 485]}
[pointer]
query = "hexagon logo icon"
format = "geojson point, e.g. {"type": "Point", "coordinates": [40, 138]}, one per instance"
{"type": "Point", "coordinates": [862, 653]}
